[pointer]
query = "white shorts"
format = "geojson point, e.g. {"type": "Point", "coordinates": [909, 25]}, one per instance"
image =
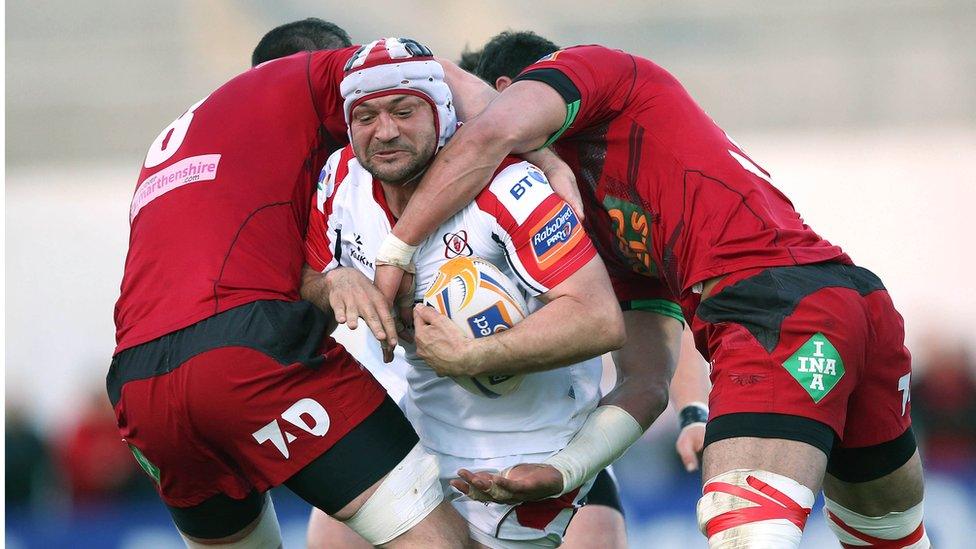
{"type": "Point", "coordinates": [532, 524]}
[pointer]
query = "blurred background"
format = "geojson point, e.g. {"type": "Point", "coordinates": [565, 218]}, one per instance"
{"type": "Point", "coordinates": [864, 112]}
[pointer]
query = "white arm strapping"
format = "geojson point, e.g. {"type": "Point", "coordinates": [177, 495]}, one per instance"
{"type": "Point", "coordinates": [605, 436]}
{"type": "Point", "coordinates": [397, 253]}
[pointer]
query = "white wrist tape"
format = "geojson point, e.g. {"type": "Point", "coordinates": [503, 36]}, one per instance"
{"type": "Point", "coordinates": [397, 253]}
{"type": "Point", "coordinates": [605, 436]}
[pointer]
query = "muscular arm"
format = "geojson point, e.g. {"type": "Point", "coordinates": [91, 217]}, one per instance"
{"type": "Point", "coordinates": [645, 365]}
{"type": "Point", "coordinates": [471, 94]}
{"type": "Point", "coordinates": [581, 319]}
{"type": "Point", "coordinates": [690, 383]}
{"type": "Point", "coordinates": [690, 387]}
{"type": "Point", "coordinates": [519, 120]}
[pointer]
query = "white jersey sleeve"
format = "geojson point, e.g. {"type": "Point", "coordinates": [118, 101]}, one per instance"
{"type": "Point", "coordinates": [543, 238]}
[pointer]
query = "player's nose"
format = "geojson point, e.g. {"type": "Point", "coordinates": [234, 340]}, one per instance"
{"type": "Point", "coordinates": [387, 128]}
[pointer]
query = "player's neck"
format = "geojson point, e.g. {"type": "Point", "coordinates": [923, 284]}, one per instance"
{"type": "Point", "coordinates": [398, 195]}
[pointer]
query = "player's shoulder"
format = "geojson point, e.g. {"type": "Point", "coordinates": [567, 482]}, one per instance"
{"type": "Point", "coordinates": [584, 53]}
{"type": "Point", "coordinates": [336, 171]}
{"type": "Point", "coordinates": [517, 187]}
{"type": "Point", "coordinates": [339, 56]}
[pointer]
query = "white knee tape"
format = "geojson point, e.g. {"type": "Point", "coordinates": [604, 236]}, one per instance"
{"type": "Point", "coordinates": [755, 509]}
{"type": "Point", "coordinates": [901, 530]}
{"type": "Point", "coordinates": [267, 533]}
{"type": "Point", "coordinates": [408, 494]}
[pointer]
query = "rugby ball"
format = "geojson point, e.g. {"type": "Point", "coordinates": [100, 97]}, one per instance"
{"type": "Point", "coordinates": [482, 301]}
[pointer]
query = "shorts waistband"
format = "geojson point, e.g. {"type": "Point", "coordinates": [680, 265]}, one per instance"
{"type": "Point", "coordinates": [759, 299]}
{"type": "Point", "coordinates": [289, 332]}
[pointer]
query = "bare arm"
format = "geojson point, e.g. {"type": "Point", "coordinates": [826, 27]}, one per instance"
{"type": "Point", "coordinates": [690, 383]}
{"type": "Point", "coordinates": [580, 320]}
{"type": "Point", "coordinates": [519, 120]}
{"type": "Point", "coordinates": [471, 94]}
{"type": "Point", "coordinates": [645, 365]}
{"type": "Point", "coordinates": [689, 388]}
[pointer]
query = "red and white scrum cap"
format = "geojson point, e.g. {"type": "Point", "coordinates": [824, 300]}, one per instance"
{"type": "Point", "coordinates": [399, 65]}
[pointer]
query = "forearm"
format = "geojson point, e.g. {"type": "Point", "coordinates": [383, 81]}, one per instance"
{"type": "Point", "coordinates": [645, 365]}
{"type": "Point", "coordinates": [314, 288]}
{"type": "Point", "coordinates": [455, 178]}
{"type": "Point", "coordinates": [517, 121]}
{"type": "Point", "coordinates": [471, 94]}
{"type": "Point", "coordinates": [690, 383]}
{"type": "Point", "coordinates": [564, 331]}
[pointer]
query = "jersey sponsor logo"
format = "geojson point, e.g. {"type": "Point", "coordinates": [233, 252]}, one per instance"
{"type": "Point", "coordinates": [631, 225]}
{"type": "Point", "coordinates": [491, 320]}
{"type": "Point", "coordinates": [904, 387]}
{"type": "Point", "coordinates": [519, 189]}
{"type": "Point", "coordinates": [816, 366]}
{"type": "Point", "coordinates": [356, 251]}
{"type": "Point", "coordinates": [456, 245]}
{"type": "Point", "coordinates": [556, 235]}
{"type": "Point", "coordinates": [194, 169]}
{"type": "Point", "coordinates": [306, 414]}
{"type": "Point", "coordinates": [520, 198]}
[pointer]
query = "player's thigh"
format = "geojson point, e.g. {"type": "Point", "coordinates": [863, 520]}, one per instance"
{"type": "Point", "coordinates": [596, 526]}
{"type": "Point", "coordinates": [325, 532]}
{"type": "Point", "coordinates": [600, 522]}
{"type": "Point", "coordinates": [799, 461]}
{"type": "Point", "coordinates": [895, 491]}
{"type": "Point", "coordinates": [442, 528]}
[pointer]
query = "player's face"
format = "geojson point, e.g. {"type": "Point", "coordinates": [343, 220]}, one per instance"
{"type": "Point", "coordinates": [394, 136]}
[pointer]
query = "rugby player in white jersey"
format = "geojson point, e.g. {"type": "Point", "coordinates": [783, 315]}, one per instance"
{"type": "Point", "coordinates": [400, 112]}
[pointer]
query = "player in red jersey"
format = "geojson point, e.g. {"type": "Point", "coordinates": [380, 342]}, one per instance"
{"type": "Point", "coordinates": [224, 384]}
{"type": "Point", "coordinates": [601, 521]}
{"type": "Point", "coordinates": [809, 370]}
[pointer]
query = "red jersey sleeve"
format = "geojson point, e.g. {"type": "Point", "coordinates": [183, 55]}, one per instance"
{"type": "Point", "coordinates": [595, 82]}
{"type": "Point", "coordinates": [544, 240]}
{"type": "Point", "coordinates": [325, 71]}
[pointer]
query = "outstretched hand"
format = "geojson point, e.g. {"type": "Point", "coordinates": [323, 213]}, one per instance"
{"type": "Point", "coordinates": [524, 482]}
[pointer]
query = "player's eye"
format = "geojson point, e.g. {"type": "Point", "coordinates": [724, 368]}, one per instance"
{"type": "Point", "coordinates": [403, 113]}
{"type": "Point", "coordinates": [365, 118]}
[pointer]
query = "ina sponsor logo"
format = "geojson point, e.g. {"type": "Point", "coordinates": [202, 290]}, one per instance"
{"type": "Point", "coordinates": [816, 366]}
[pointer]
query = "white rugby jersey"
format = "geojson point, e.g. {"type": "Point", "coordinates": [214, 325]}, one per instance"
{"type": "Point", "coordinates": [521, 226]}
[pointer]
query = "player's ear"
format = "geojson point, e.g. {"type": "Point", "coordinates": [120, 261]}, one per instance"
{"type": "Point", "coordinates": [502, 82]}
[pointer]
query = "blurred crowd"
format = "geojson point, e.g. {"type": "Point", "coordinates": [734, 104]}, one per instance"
{"type": "Point", "coordinates": [83, 463]}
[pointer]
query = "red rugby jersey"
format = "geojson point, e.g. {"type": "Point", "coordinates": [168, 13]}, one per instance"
{"type": "Point", "coordinates": [222, 202]}
{"type": "Point", "coordinates": [676, 198]}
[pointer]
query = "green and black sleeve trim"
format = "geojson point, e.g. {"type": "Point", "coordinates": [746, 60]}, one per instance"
{"type": "Point", "coordinates": [565, 88]}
